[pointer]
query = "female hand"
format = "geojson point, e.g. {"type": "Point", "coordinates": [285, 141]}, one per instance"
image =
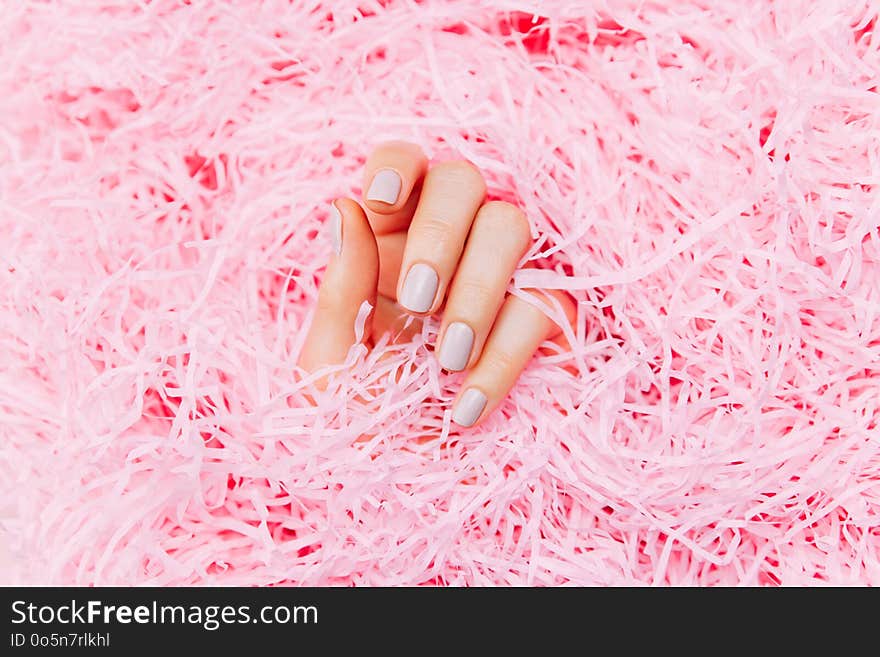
{"type": "Point", "coordinates": [428, 243]}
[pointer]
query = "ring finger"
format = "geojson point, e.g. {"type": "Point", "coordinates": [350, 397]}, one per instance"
{"type": "Point", "coordinates": [518, 331]}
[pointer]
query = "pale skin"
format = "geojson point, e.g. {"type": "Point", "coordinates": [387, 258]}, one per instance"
{"type": "Point", "coordinates": [427, 243]}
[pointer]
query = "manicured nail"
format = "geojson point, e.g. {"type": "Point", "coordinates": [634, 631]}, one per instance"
{"type": "Point", "coordinates": [419, 289]}
{"type": "Point", "coordinates": [385, 187]}
{"type": "Point", "coordinates": [336, 228]}
{"type": "Point", "coordinates": [470, 406]}
{"type": "Point", "coordinates": [456, 348]}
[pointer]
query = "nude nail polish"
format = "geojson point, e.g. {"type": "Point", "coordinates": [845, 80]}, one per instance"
{"type": "Point", "coordinates": [456, 348]}
{"type": "Point", "coordinates": [469, 408]}
{"type": "Point", "coordinates": [419, 289]}
{"type": "Point", "coordinates": [336, 228]}
{"type": "Point", "coordinates": [385, 187]}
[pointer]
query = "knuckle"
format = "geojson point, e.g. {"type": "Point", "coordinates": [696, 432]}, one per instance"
{"type": "Point", "coordinates": [473, 293]}
{"type": "Point", "coordinates": [401, 144]}
{"type": "Point", "coordinates": [434, 231]}
{"type": "Point", "coordinates": [397, 146]}
{"type": "Point", "coordinates": [499, 364]}
{"type": "Point", "coordinates": [506, 217]}
{"type": "Point", "coordinates": [461, 174]}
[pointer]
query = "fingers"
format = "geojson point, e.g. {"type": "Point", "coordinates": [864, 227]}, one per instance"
{"type": "Point", "coordinates": [498, 239]}
{"type": "Point", "coordinates": [451, 194]}
{"type": "Point", "coordinates": [350, 279]}
{"type": "Point", "coordinates": [518, 332]}
{"type": "Point", "coordinates": [393, 319]}
{"type": "Point", "coordinates": [391, 247]}
{"type": "Point", "coordinates": [392, 178]}
{"type": "Point", "coordinates": [432, 241]}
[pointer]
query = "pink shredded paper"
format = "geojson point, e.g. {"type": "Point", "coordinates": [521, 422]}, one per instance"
{"type": "Point", "coordinates": [702, 177]}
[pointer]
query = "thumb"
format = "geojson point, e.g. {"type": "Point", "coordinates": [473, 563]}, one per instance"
{"type": "Point", "coordinates": [351, 278]}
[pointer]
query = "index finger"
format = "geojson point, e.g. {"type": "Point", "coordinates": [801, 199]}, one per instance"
{"type": "Point", "coordinates": [392, 179]}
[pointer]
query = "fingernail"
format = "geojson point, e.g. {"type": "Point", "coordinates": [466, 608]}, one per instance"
{"type": "Point", "coordinates": [385, 187]}
{"type": "Point", "coordinates": [469, 407]}
{"type": "Point", "coordinates": [336, 228]}
{"type": "Point", "coordinates": [419, 289]}
{"type": "Point", "coordinates": [456, 348]}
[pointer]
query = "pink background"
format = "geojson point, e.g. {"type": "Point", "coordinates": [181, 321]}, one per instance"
{"type": "Point", "coordinates": [703, 176]}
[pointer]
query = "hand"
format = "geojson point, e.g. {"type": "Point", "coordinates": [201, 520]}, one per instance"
{"type": "Point", "coordinates": [428, 244]}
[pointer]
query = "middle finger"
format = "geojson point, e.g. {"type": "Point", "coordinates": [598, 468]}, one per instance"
{"type": "Point", "coordinates": [498, 239]}
{"type": "Point", "coordinates": [451, 194]}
